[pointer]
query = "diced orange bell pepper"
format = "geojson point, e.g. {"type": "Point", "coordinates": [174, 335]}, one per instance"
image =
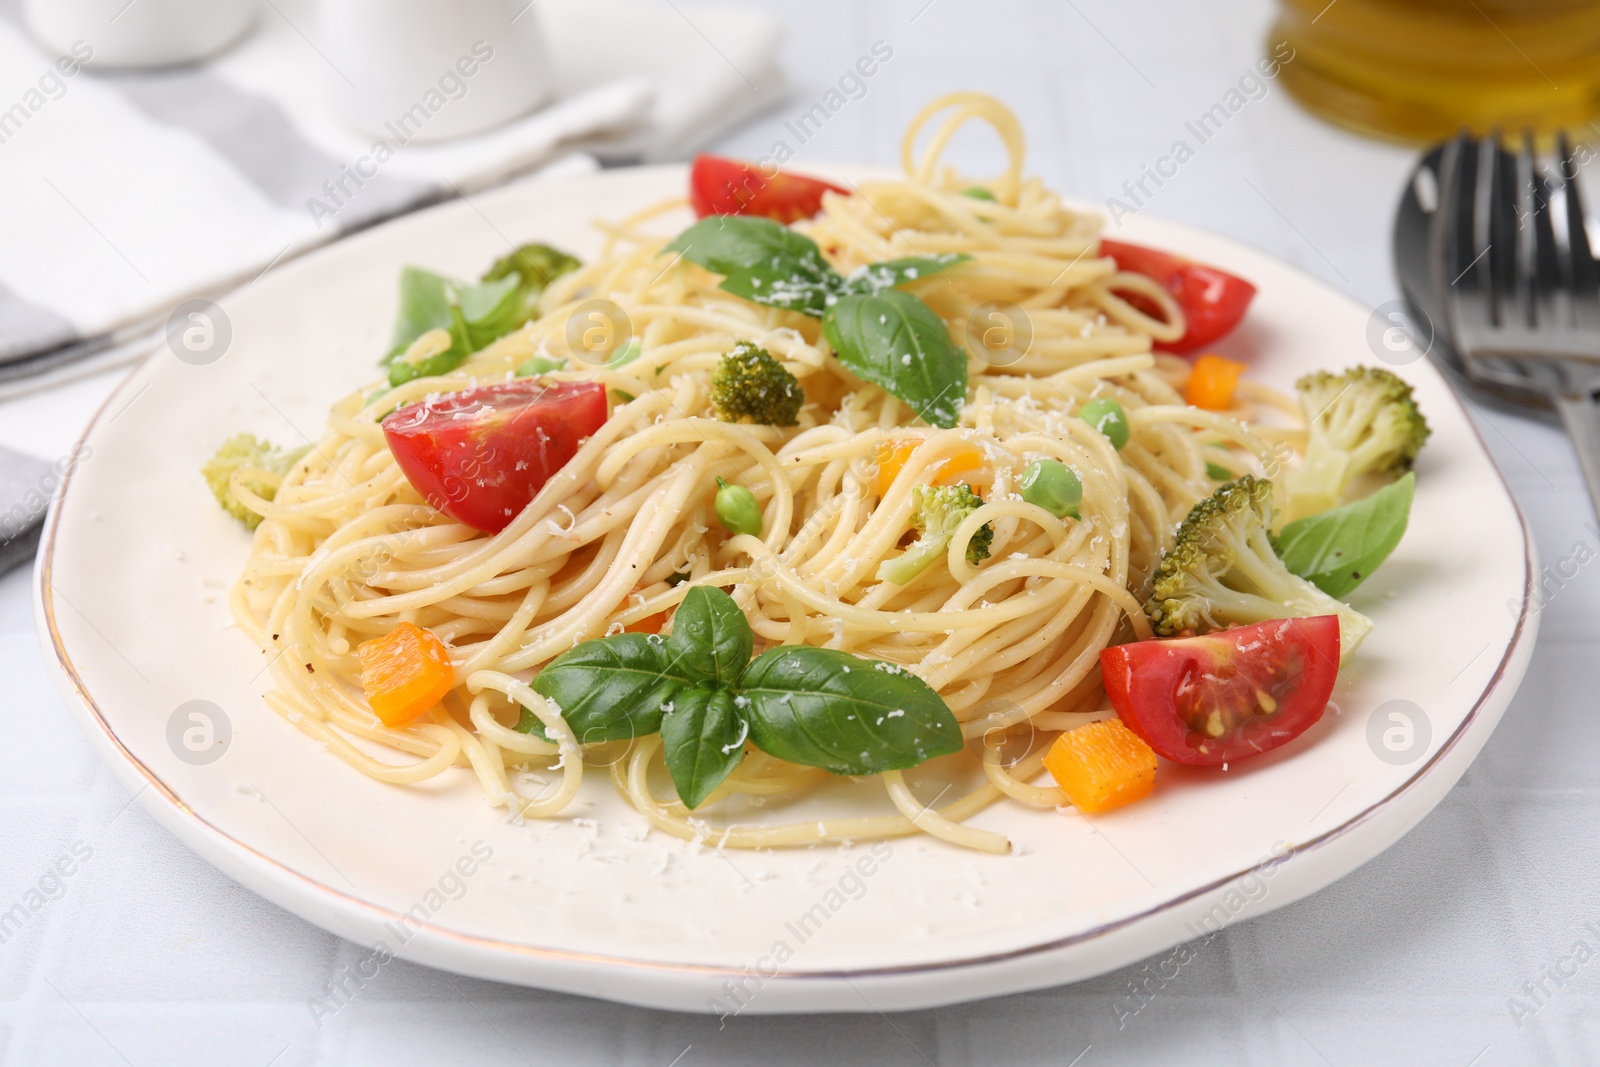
{"type": "Point", "coordinates": [404, 673]}
{"type": "Point", "coordinates": [1212, 382]}
{"type": "Point", "coordinates": [1102, 765]}
{"type": "Point", "coordinates": [650, 624]}
{"type": "Point", "coordinates": [894, 454]}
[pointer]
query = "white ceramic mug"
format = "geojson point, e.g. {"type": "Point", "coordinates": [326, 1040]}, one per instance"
{"type": "Point", "coordinates": [144, 33]}
{"type": "Point", "coordinates": [428, 70]}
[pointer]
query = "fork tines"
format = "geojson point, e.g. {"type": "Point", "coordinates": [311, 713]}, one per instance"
{"type": "Point", "coordinates": [1515, 256]}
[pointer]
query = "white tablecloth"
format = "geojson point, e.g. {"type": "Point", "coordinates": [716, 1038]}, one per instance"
{"type": "Point", "coordinates": [151, 957]}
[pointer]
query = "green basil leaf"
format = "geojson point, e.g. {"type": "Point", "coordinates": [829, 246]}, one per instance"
{"type": "Point", "coordinates": [1218, 473]}
{"type": "Point", "coordinates": [896, 342]}
{"type": "Point", "coordinates": [824, 708]}
{"type": "Point", "coordinates": [484, 302]}
{"type": "Point", "coordinates": [788, 284]}
{"type": "Point", "coordinates": [610, 688]}
{"type": "Point", "coordinates": [703, 738]}
{"type": "Point", "coordinates": [491, 310]}
{"type": "Point", "coordinates": [426, 300]}
{"type": "Point", "coordinates": [896, 272]}
{"type": "Point", "coordinates": [711, 639]}
{"type": "Point", "coordinates": [402, 370]}
{"type": "Point", "coordinates": [476, 315]}
{"type": "Point", "coordinates": [1336, 549]}
{"type": "Point", "coordinates": [536, 266]}
{"type": "Point", "coordinates": [765, 261]}
{"type": "Point", "coordinates": [730, 243]}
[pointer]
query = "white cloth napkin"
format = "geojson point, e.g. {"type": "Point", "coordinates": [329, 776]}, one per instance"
{"type": "Point", "coordinates": [127, 193]}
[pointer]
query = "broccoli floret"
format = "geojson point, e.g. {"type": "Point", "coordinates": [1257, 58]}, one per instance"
{"type": "Point", "coordinates": [1222, 571]}
{"type": "Point", "coordinates": [940, 509]}
{"type": "Point", "coordinates": [750, 386]}
{"type": "Point", "coordinates": [247, 451]}
{"type": "Point", "coordinates": [1363, 421]}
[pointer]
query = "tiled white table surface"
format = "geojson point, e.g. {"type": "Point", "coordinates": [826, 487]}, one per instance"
{"type": "Point", "coordinates": [151, 957]}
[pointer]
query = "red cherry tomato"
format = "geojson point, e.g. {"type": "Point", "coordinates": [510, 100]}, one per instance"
{"type": "Point", "coordinates": [481, 454]}
{"type": "Point", "coordinates": [1225, 696]}
{"type": "Point", "coordinates": [719, 186]}
{"type": "Point", "coordinates": [1213, 301]}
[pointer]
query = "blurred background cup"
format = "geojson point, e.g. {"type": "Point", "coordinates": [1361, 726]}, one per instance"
{"type": "Point", "coordinates": [1422, 70]}
{"type": "Point", "coordinates": [140, 33]}
{"type": "Point", "coordinates": [470, 65]}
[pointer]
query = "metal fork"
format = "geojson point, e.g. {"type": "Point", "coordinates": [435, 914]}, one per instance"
{"type": "Point", "coordinates": [1524, 292]}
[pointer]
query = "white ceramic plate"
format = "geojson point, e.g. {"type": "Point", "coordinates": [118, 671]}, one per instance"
{"type": "Point", "coordinates": [131, 605]}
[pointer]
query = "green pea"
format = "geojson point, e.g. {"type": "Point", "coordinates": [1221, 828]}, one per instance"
{"type": "Point", "coordinates": [737, 509]}
{"type": "Point", "coordinates": [1107, 416]}
{"type": "Point", "coordinates": [1051, 485]}
{"type": "Point", "coordinates": [978, 192]}
{"type": "Point", "coordinates": [540, 365]}
{"type": "Point", "coordinates": [625, 354]}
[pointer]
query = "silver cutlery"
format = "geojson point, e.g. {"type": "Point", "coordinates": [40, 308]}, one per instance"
{"type": "Point", "coordinates": [1521, 303]}
{"type": "Point", "coordinates": [1416, 264]}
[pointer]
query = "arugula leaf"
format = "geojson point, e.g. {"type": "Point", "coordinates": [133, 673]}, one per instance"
{"type": "Point", "coordinates": [703, 738]}
{"type": "Point", "coordinates": [426, 300]}
{"type": "Point", "coordinates": [896, 272]}
{"type": "Point", "coordinates": [825, 708]}
{"type": "Point", "coordinates": [896, 342]}
{"type": "Point", "coordinates": [610, 688]}
{"type": "Point", "coordinates": [1336, 549]}
{"type": "Point", "coordinates": [727, 244]}
{"type": "Point", "coordinates": [711, 639]}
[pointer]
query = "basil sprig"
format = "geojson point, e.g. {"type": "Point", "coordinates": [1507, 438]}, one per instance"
{"type": "Point", "coordinates": [1336, 549]}
{"type": "Point", "coordinates": [888, 337]}
{"type": "Point", "coordinates": [699, 688]}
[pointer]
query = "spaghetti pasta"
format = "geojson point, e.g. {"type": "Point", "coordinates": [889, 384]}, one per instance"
{"type": "Point", "coordinates": [348, 549]}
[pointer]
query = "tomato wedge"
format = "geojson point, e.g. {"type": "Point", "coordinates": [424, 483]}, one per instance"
{"type": "Point", "coordinates": [719, 186]}
{"type": "Point", "coordinates": [479, 455]}
{"type": "Point", "coordinates": [1225, 696]}
{"type": "Point", "coordinates": [1213, 301]}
